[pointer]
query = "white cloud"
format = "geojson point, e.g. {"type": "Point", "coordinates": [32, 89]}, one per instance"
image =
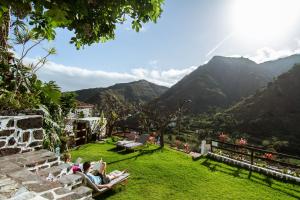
{"type": "Point", "coordinates": [74, 78]}
{"type": "Point", "coordinates": [266, 54]}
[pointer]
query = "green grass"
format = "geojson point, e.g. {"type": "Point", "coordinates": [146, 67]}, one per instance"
{"type": "Point", "coordinates": [168, 174]}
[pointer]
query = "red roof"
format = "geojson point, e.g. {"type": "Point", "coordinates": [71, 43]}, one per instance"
{"type": "Point", "coordinates": [81, 104]}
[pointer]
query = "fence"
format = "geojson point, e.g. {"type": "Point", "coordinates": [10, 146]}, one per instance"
{"type": "Point", "coordinates": [259, 157]}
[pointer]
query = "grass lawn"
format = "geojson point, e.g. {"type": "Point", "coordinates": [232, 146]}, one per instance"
{"type": "Point", "coordinates": [168, 174]}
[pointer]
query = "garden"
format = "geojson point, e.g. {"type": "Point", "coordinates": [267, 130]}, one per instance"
{"type": "Point", "coordinates": [157, 173]}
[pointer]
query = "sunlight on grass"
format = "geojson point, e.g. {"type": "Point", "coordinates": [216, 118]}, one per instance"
{"type": "Point", "coordinates": [163, 174]}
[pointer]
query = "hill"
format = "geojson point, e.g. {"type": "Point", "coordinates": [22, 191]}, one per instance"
{"type": "Point", "coordinates": [273, 111]}
{"type": "Point", "coordinates": [134, 92]}
{"type": "Point", "coordinates": [223, 81]}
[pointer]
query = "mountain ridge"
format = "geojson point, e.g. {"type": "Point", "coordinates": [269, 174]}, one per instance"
{"type": "Point", "coordinates": [223, 81]}
{"type": "Point", "coordinates": [140, 91]}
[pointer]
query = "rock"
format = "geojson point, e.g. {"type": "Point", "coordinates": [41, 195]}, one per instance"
{"type": "Point", "coordinates": [52, 159]}
{"type": "Point", "coordinates": [35, 143]}
{"type": "Point", "coordinates": [20, 191]}
{"type": "Point", "coordinates": [71, 180]}
{"type": "Point", "coordinates": [70, 197]}
{"type": "Point", "coordinates": [11, 141]}
{"type": "Point", "coordinates": [62, 191]}
{"type": "Point", "coordinates": [26, 135]}
{"type": "Point", "coordinates": [48, 195]}
{"type": "Point", "coordinates": [30, 123]}
{"type": "Point", "coordinates": [42, 186]}
{"type": "Point", "coordinates": [9, 151]}
{"type": "Point", "coordinates": [2, 143]}
{"type": "Point", "coordinates": [6, 132]}
{"type": "Point", "coordinates": [10, 123]}
{"type": "Point", "coordinates": [26, 150]}
{"type": "Point", "coordinates": [83, 191]}
{"type": "Point", "coordinates": [38, 148]}
{"type": "Point", "coordinates": [38, 134]}
{"type": "Point", "coordinates": [21, 144]}
{"type": "Point", "coordinates": [35, 161]}
{"type": "Point", "coordinates": [24, 196]}
{"type": "Point", "coordinates": [24, 176]}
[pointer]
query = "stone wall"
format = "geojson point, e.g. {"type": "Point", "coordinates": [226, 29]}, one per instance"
{"type": "Point", "coordinates": [19, 134]}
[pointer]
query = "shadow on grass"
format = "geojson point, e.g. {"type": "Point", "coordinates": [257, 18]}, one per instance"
{"type": "Point", "coordinates": [141, 153]}
{"type": "Point", "coordinates": [121, 151]}
{"type": "Point", "coordinates": [263, 179]}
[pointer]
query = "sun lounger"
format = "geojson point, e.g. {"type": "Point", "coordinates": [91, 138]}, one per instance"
{"type": "Point", "coordinates": [132, 144]}
{"type": "Point", "coordinates": [98, 191]}
{"type": "Point", "coordinates": [123, 142]}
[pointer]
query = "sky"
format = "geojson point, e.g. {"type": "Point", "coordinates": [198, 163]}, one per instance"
{"type": "Point", "coordinates": [188, 34]}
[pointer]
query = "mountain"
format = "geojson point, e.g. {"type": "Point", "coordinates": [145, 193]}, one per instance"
{"type": "Point", "coordinates": [223, 81]}
{"type": "Point", "coordinates": [134, 92]}
{"type": "Point", "coordinates": [281, 65]}
{"type": "Point", "coordinates": [273, 111]}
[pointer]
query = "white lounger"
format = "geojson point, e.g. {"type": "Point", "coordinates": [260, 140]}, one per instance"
{"type": "Point", "coordinates": [98, 191]}
{"type": "Point", "coordinates": [142, 140]}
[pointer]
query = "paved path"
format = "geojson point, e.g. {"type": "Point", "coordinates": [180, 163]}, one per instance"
{"type": "Point", "coordinates": [24, 176]}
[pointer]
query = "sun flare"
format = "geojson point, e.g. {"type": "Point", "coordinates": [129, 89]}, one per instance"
{"type": "Point", "coordinates": [261, 20]}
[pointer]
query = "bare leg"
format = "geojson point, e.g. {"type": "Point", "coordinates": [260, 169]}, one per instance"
{"type": "Point", "coordinates": [111, 177]}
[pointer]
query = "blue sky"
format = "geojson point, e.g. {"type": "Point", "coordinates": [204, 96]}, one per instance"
{"type": "Point", "coordinates": [188, 34]}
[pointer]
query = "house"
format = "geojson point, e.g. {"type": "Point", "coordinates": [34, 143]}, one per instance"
{"type": "Point", "coordinates": [83, 110]}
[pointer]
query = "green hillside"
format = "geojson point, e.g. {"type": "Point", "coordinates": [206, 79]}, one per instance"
{"type": "Point", "coordinates": [273, 111]}
{"type": "Point", "coordinates": [223, 81]}
{"type": "Point", "coordinates": [134, 92]}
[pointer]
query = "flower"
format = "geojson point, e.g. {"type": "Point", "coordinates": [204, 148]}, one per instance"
{"type": "Point", "coordinates": [268, 156]}
{"type": "Point", "coordinates": [223, 137]}
{"type": "Point", "coordinates": [242, 142]}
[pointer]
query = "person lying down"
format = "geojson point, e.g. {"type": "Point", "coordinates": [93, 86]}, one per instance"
{"type": "Point", "coordinates": [99, 177]}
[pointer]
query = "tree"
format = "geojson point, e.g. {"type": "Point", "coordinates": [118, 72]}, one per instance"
{"type": "Point", "coordinates": [114, 111]}
{"type": "Point", "coordinates": [68, 102]}
{"type": "Point", "coordinates": [157, 117]}
{"type": "Point", "coordinates": [274, 144]}
{"type": "Point", "coordinates": [91, 21]}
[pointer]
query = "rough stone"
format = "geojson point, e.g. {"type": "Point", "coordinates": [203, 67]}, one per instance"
{"type": "Point", "coordinates": [48, 195]}
{"type": "Point", "coordinates": [73, 196]}
{"type": "Point", "coordinates": [38, 148]}
{"type": "Point", "coordinates": [24, 176]}
{"type": "Point", "coordinates": [56, 170]}
{"type": "Point", "coordinates": [70, 180]}
{"type": "Point", "coordinates": [11, 141]}
{"type": "Point", "coordinates": [61, 191]}
{"type": "Point", "coordinates": [38, 134]}
{"type": "Point", "coordinates": [10, 123]}
{"type": "Point", "coordinates": [21, 144]}
{"type": "Point", "coordinates": [26, 135]}
{"type": "Point", "coordinates": [2, 143]}
{"type": "Point", "coordinates": [6, 132]}
{"type": "Point", "coordinates": [34, 161]}
{"type": "Point", "coordinates": [35, 143]}
{"type": "Point", "coordinates": [8, 167]}
{"type": "Point", "coordinates": [52, 159]}
{"type": "Point", "coordinates": [83, 191]}
{"type": "Point", "coordinates": [42, 186]}
{"type": "Point", "coordinates": [9, 151]}
{"type": "Point", "coordinates": [26, 150]}
{"type": "Point", "coordinates": [29, 123]}
{"type": "Point", "coordinates": [24, 196]}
